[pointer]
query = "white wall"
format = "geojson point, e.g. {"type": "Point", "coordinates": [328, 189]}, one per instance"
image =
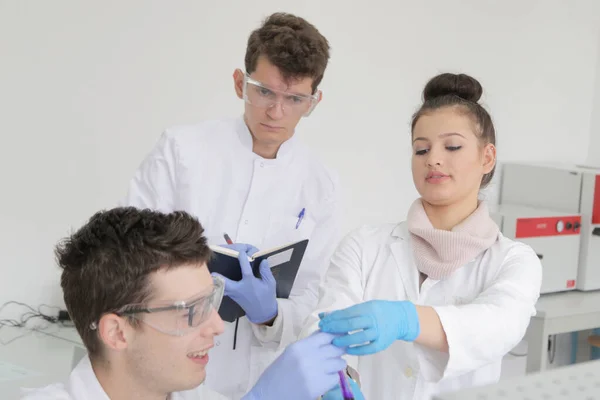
{"type": "Point", "coordinates": [594, 146]}
{"type": "Point", "coordinates": [86, 89]}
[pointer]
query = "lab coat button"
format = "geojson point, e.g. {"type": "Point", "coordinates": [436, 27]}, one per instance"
{"type": "Point", "coordinates": [246, 222]}
{"type": "Point", "coordinates": [408, 372]}
{"type": "Point", "coordinates": [262, 164]}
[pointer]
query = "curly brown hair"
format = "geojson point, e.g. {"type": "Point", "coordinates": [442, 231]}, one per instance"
{"type": "Point", "coordinates": [292, 44]}
{"type": "Point", "coordinates": [108, 262]}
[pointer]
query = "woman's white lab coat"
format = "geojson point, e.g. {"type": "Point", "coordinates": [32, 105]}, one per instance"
{"type": "Point", "coordinates": [485, 308]}
{"type": "Point", "coordinates": [210, 171]}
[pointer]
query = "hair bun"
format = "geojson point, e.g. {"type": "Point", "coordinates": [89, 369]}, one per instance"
{"type": "Point", "coordinates": [461, 85]}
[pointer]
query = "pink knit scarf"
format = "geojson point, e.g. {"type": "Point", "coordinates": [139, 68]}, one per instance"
{"type": "Point", "coordinates": [438, 253]}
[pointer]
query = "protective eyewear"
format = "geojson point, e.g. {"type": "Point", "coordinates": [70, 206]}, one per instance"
{"type": "Point", "coordinates": [180, 317]}
{"type": "Point", "coordinates": [260, 95]}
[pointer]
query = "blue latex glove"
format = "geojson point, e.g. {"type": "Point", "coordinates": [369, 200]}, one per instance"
{"type": "Point", "coordinates": [257, 297]}
{"type": "Point", "coordinates": [379, 323]}
{"type": "Point", "coordinates": [336, 393]}
{"type": "Point", "coordinates": [306, 369]}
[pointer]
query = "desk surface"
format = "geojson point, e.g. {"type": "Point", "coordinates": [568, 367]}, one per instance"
{"type": "Point", "coordinates": [67, 333]}
{"type": "Point", "coordinates": [574, 382]}
{"type": "Point", "coordinates": [565, 304]}
{"type": "Point", "coordinates": [34, 358]}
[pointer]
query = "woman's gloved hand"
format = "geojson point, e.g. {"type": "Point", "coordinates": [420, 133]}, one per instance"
{"type": "Point", "coordinates": [372, 326]}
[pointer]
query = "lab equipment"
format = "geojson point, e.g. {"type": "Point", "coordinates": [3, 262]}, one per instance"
{"type": "Point", "coordinates": [346, 392]}
{"type": "Point", "coordinates": [566, 189]}
{"type": "Point", "coordinates": [372, 326]}
{"type": "Point", "coordinates": [579, 381]}
{"type": "Point", "coordinates": [558, 313]}
{"type": "Point", "coordinates": [555, 238]}
{"type": "Point", "coordinates": [354, 392]}
{"type": "Point", "coordinates": [306, 369]}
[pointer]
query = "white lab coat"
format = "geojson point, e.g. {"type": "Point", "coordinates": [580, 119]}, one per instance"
{"type": "Point", "coordinates": [210, 170]}
{"type": "Point", "coordinates": [83, 385]}
{"type": "Point", "coordinates": [485, 308]}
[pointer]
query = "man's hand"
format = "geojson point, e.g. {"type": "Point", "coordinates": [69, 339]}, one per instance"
{"type": "Point", "coordinates": [306, 369]}
{"type": "Point", "coordinates": [256, 296]}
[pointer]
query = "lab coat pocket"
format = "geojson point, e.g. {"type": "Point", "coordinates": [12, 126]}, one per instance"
{"type": "Point", "coordinates": [286, 229]}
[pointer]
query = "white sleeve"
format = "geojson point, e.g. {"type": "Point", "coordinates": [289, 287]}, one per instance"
{"type": "Point", "coordinates": [342, 286]}
{"type": "Point", "coordinates": [486, 329]}
{"type": "Point", "coordinates": [154, 183]}
{"type": "Point", "coordinates": [304, 296]}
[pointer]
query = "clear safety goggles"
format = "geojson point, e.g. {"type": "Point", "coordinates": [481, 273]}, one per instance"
{"type": "Point", "coordinates": [259, 95]}
{"type": "Point", "coordinates": [180, 317]}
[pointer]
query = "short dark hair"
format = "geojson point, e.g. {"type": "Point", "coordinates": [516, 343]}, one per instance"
{"type": "Point", "coordinates": [461, 91]}
{"type": "Point", "coordinates": [108, 262]}
{"type": "Point", "coordinates": [292, 44]}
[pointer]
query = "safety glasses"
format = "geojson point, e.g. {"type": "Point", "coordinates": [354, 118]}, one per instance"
{"type": "Point", "coordinates": [260, 95]}
{"type": "Point", "coordinates": [180, 317]}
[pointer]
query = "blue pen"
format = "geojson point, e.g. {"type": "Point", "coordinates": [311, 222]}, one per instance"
{"type": "Point", "coordinates": [300, 217]}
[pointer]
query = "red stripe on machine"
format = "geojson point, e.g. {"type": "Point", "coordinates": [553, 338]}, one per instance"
{"type": "Point", "coordinates": [547, 226]}
{"type": "Point", "coordinates": [596, 206]}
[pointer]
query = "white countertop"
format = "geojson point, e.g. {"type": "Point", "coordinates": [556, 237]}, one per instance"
{"type": "Point", "coordinates": [35, 358]}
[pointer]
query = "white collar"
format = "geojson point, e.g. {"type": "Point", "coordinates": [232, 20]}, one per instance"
{"type": "Point", "coordinates": [83, 383]}
{"type": "Point", "coordinates": [400, 231]}
{"type": "Point", "coordinates": [285, 150]}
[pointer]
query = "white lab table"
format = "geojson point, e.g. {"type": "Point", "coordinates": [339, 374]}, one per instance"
{"type": "Point", "coordinates": [36, 358]}
{"type": "Point", "coordinates": [559, 313]}
{"type": "Point", "coordinates": [574, 382]}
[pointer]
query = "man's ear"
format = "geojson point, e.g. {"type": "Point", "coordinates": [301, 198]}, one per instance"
{"type": "Point", "coordinates": [238, 83]}
{"type": "Point", "coordinates": [112, 330]}
{"type": "Point", "coordinates": [489, 158]}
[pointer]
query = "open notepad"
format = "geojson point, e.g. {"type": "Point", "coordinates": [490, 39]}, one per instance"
{"type": "Point", "coordinates": [284, 262]}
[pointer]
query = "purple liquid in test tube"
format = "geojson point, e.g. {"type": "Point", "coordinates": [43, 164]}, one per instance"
{"type": "Point", "coordinates": [346, 392]}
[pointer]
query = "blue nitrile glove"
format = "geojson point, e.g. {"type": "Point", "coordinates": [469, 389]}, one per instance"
{"type": "Point", "coordinates": [306, 369]}
{"type": "Point", "coordinates": [256, 296]}
{"type": "Point", "coordinates": [336, 393]}
{"type": "Point", "coordinates": [379, 323]}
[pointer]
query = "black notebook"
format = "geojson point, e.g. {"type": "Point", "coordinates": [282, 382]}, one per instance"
{"type": "Point", "coordinates": [284, 261]}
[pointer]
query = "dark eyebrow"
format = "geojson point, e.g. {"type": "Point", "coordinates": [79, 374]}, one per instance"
{"type": "Point", "coordinates": [441, 135]}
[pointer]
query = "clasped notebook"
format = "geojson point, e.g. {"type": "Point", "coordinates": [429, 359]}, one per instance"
{"type": "Point", "coordinates": [284, 262]}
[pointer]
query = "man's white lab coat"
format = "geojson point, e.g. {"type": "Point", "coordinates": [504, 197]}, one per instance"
{"type": "Point", "coordinates": [210, 170]}
{"type": "Point", "coordinates": [83, 385]}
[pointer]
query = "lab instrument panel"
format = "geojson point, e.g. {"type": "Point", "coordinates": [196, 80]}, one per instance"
{"type": "Point", "coordinates": [554, 237]}
{"type": "Point", "coordinates": [568, 189]}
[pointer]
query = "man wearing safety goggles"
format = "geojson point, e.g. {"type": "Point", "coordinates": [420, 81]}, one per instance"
{"type": "Point", "coordinates": [252, 178]}
{"type": "Point", "coordinates": [137, 288]}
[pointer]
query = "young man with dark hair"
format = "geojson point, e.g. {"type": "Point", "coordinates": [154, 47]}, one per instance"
{"type": "Point", "coordinates": [137, 288]}
{"type": "Point", "coordinates": [251, 178]}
